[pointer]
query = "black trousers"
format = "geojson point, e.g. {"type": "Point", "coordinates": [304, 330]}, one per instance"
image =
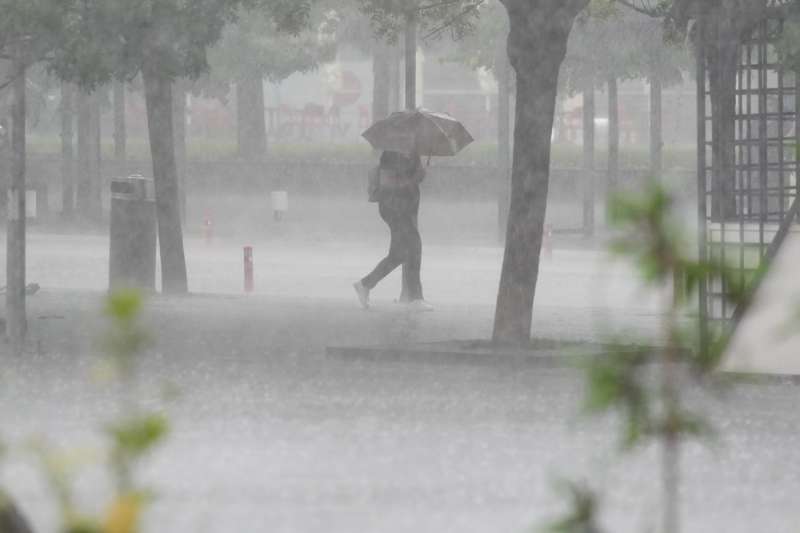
{"type": "Point", "coordinates": [405, 248]}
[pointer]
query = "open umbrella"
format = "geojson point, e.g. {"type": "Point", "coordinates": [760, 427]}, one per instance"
{"type": "Point", "coordinates": [429, 133]}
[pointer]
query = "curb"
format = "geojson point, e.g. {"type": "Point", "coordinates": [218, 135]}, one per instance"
{"type": "Point", "coordinates": [548, 354]}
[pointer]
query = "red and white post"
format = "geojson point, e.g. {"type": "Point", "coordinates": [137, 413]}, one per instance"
{"type": "Point", "coordinates": [249, 283]}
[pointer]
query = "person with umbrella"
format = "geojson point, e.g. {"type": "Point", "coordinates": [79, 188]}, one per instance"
{"type": "Point", "coordinates": [403, 137]}
{"type": "Point", "coordinates": [399, 176]}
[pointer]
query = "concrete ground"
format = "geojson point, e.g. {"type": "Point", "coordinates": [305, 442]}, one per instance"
{"type": "Point", "coordinates": [269, 434]}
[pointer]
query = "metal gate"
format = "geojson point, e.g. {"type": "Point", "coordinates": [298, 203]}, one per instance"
{"type": "Point", "coordinates": [759, 197]}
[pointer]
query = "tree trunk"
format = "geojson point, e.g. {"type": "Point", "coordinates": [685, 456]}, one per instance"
{"type": "Point", "coordinates": [120, 129]}
{"type": "Point", "coordinates": [537, 44]}
{"type": "Point", "coordinates": [16, 325]}
{"type": "Point", "coordinates": [656, 128]}
{"type": "Point", "coordinates": [158, 99]}
{"type": "Point", "coordinates": [588, 159]}
{"type": "Point", "coordinates": [410, 43]}
{"type": "Point", "coordinates": [67, 150]}
{"type": "Point", "coordinates": [723, 61]}
{"type": "Point", "coordinates": [96, 158]}
{"type": "Point", "coordinates": [84, 183]}
{"type": "Point", "coordinates": [251, 125]}
{"type": "Point", "coordinates": [381, 81]}
{"type": "Point", "coordinates": [503, 141]}
{"type": "Point", "coordinates": [89, 202]}
{"type": "Point", "coordinates": [411, 61]}
{"type": "Point", "coordinates": [395, 89]}
{"type": "Point", "coordinates": [612, 177]}
{"type": "Point", "coordinates": [179, 123]}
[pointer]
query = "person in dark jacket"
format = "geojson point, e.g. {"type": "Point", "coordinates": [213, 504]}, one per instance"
{"type": "Point", "coordinates": [398, 205]}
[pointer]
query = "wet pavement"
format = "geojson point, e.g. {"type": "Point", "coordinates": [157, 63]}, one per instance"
{"type": "Point", "coordinates": [269, 434]}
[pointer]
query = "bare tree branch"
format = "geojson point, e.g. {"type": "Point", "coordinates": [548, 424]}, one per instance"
{"type": "Point", "coordinates": [466, 11]}
{"type": "Point", "coordinates": [654, 12]}
{"type": "Point", "coordinates": [422, 9]}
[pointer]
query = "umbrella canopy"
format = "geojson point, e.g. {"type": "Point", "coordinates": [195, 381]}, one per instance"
{"type": "Point", "coordinates": [428, 133]}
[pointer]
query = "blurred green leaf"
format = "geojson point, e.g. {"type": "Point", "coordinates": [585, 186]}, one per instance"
{"type": "Point", "coordinates": [83, 525]}
{"type": "Point", "coordinates": [124, 305]}
{"type": "Point", "coordinates": [126, 337]}
{"type": "Point", "coordinates": [581, 516]}
{"type": "Point", "coordinates": [615, 382]}
{"type": "Point", "coordinates": [136, 436]}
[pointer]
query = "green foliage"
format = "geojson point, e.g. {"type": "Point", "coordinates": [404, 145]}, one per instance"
{"type": "Point", "coordinates": [291, 16]}
{"type": "Point", "coordinates": [31, 30]}
{"type": "Point", "coordinates": [131, 436]}
{"type": "Point", "coordinates": [613, 41]}
{"type": "Point", "coordinates": [617, 382]}
{"type": "Point", "coordinates": [582, 514]}
{"type": "Point", "coordinates": [257, 46]}
{"type": "Point", "coordinates": [650, 237]}
{"type": "Point", "coordinates": [83, 526]}
{"type": "Point", "coordinates": [106, 39]}
{"type": "Point", "coordinates": [59, 468]}
{"type": "Point", "coordinates": [136, 436]}
{"type": "Point", "coordinates": [787, 45]}
{"type": "Point", "coordinates": [434, 17]}
{"type": "Point", "coordinates": [125, 337]}
{"type": "Point", "coordinates": [480, 48]}
{"type": "Point", "coordinates": [646, 385]}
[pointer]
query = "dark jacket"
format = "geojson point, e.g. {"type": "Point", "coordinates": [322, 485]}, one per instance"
{"type": "Point", "coordinates": [400, 177]}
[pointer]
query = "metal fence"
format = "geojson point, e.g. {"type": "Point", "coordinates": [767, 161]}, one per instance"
{"type": "Point", "coordinates": [745, 215]}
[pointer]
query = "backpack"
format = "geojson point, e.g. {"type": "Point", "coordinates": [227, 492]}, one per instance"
{"type": "Point", "coordinates": [374, 184]}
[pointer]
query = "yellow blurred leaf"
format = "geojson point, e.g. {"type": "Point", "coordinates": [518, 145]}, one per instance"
{"type": "Point", "coordinates": [123, 515]}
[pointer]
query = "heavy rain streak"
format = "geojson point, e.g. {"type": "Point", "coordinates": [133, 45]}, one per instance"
{"type": "Point", "coordinates": [391, 266]}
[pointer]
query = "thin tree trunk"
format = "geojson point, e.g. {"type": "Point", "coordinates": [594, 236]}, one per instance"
{"type": "Point", "coordinates": [588, 159]}
{"type": "Point", "coordinates": [671, 439]}
{"type": "Point", "coordinates": [395, 90]}
{"type": "Point", "coordinates": [381, 81]}
{"type": "Point", "coordinates": [120, 129]}
{"type": "Point", "coordinates": [613, 137]}
{"type": "Point", "coordinates": [83, 200]}
{"type": "Point", "coordinates": [179, 124]}
{"type": "Point", "coordinates": [96, 158]}
{"type": "Point", "coordinates": [503, 141]}
{"type": "Point", "coordinates": [410, 43]}
{"type": "Point", "coordinates": [67, 150]}
{"type": "Point", "coordinates": [411, 61]}
{"type": "Point", "coordinates": [16, 325]}
{"type": "Point", "coordinates": [723, 60]}
{"type": "Point", "coordinates": [670, 483]}
{"type": "Point", "coordinates": [158, 99]}
{"type": "Point", "coordinates": [656, 128]}
{"type": "Point", "coordinates": [537, 44]}
{"type": "Point", "coordinates": [251, 124]}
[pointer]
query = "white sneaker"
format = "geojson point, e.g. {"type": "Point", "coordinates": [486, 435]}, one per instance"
{"type": "Point", "coordinates": [363, 294]}
{"type": "Point", "coordinates": [420, 305]}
